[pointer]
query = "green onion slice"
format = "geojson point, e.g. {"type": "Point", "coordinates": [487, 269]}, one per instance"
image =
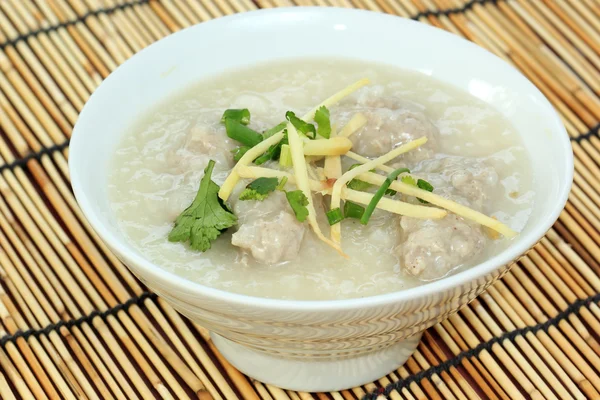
{"type": "Point", "coordinates": [334, 216]}
{"type": "Point", "coordinates": [379, 194]}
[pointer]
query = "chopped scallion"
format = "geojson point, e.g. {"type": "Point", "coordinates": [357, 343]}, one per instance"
{"type": "Point", "coordinates": [277, 128]}
{"type": "Point", "coordinates": [285, 157]}
{"type": "Point", "coordinates": [379, 194]}
{"type": "Point", "coordinates": [334, 216]}
{"type": "Point", "coordinates": [242, 133]}
{"type": "Point", "coordinates": [239, 115]}
{"type": "Point", "coordinates": [239, 152]}
{"type": "Point", "coordinates": [353, 210]}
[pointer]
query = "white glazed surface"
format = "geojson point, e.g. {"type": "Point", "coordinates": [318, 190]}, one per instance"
{"type": "Point", "coordinates": [315, 330]}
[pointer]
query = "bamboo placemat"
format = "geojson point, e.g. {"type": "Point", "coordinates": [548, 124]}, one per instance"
{"type": "Point", "coordinates": [74, 323]}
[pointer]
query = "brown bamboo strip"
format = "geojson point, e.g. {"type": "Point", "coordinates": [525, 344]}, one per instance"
{"type": "Point", "coordinates": [544, 281]}
{"type": "Point", "coordinates": [523, 292]}
{"type": "Point", "coordinates": [443, 382]}
{"type": "Point", "coordinates": [14, 377]}
{"type": "Point", "coordinates": [586, 11]}
{"type": "Point", "coordinates": [563, 84]}
{"type": "Point", "coordinates": [561, 250]}
{"type": "Point", "coordinates": [571, 291]}
{"type": "Point", "coordinates": [105, 271]}
{"type": "Point", "coordinates": [238, 379]}
{"type": "Point", "coordinates": [24, 23]}
{"type": "Point", "coordinates": [508, 355]}
{"type": "Point", "coordinates": [133, 33]}
{"type": "Point", "coordinates": [538, 372]}
{"type": "Point", "coordinates": [24, 368]}
{"type": "Point", "coordinates": [73, 388]}
{"type": "Point", "coordinates": [415, 390]}
{"type": "Point", "coordinates": [462, 330]}
{"type": "Point", "coordinates": [186, 374]}
{"type": "Point", "coordinates": [82, 301]}
{"type": "Point", "coordinates": [465, 386]}
{"type": "Point", "coordinates": [184, 331]}
{"type": "Point", "coordinates": [5, 390]}
{"type": "Point", "coordinates": [576, 23]}
{"type": "Point", "coordinates": [575, 329]}
{"type": "Point", "coordinates": [30, 104]}
{"type": "Point", "coordinates": [47, 363]}
{"type": "Point", "coordinates": [543, 26]}
{"type": "Point", "coordinates": [151, 21]}
{"type": "Point", "coordinates": [483, 378]}
{"type": "Point", "coordinates": [495, 304]}
{"type": "Point", "coordinates": [96, 57]}
{"type": "Point", "coordinates": [405, 393]}
{"type": "Point", "coordinates": [40, 315]}
{"type": "Point", "coordinates": [164, 16]}
{"type": "Point", "coordinates": [101, 27]}
{"type": "Point", "coordinates": [551, 341]}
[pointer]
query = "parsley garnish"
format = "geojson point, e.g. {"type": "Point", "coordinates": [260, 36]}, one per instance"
{"type": "Point", "coordinates": [303, 127]}
{"type": "Point", "coordinates": [206, 218]}
{"type": "Point", "coordinates": [259, 189]}
{"type": "Point", "coordinates": [298, 202]}
{"type": "Point", "coordinates": [322, 118]}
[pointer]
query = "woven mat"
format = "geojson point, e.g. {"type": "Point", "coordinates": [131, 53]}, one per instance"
{"type": "Point", "coordinates": [74, 323]}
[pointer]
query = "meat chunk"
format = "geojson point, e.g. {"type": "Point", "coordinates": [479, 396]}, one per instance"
{"type": "Point", "coordinates": [271, 240]}
{"type": "Point", "coordinates": [470, 178]}
{"type": "Point", "coordinates": [268, 229]}
{"type": "Point", "coordinates": [203, 143]}
{"type": "Point", "coordinates": [390, 123]}
{"type": "Point", "coordinates": [431, 248]}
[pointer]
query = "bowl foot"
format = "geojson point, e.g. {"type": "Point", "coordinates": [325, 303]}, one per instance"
{"type": "Point", "coordinates": [316, 376]}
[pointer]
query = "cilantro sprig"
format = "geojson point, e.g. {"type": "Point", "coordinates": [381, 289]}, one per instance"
{"type": "Point", "coordinates": [322, 118]}
{"type": "Point", "coordinates": [298, 201]}
{"type": "Point", "coordinates": [301, 126]}
{"type": "Point", "coordinates": [206, 218]}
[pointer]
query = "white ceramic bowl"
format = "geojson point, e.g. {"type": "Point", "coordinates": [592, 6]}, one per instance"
{"type": "Point", "coordinates": [315, 345]}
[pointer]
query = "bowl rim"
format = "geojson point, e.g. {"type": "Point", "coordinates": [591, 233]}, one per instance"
{"type": "Point", "coordinates": [507, 256]}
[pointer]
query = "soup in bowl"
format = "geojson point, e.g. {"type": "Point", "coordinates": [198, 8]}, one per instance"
{"type": "Point", "coordinates": [318, 200]}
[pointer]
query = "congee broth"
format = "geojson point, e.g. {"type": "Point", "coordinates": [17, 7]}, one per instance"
{"type": "Point", "coordinates": [241, 183]}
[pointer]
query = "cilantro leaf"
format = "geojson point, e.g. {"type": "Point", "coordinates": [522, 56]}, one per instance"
{"type": "Point", "coordinates": [273, 152]}
{"type": "Point", "coordinates": [259, 189]}
{"type": "Point", "coordinates": [303, 127]}
{"type": "Point", "coordinates": [322, 118]}
{"type": "Point", "coordinates": [242, 116]}
{"type": "Point", "coordinates": [206, 218]}
{"type": "Point", "coordinates": [298, 202]}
